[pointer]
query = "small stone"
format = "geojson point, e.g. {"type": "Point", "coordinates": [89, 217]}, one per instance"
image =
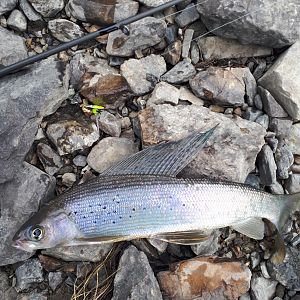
{"type": "Point", "coordinates": [159, 245]}
{"type": "Point", "coordinates": [17, 21]}
{"type": "Point", "coordinates": [282, 127]}
{"type": "Point", "coordinates": [109, 151]}
{"type": "Point", "coordinates": [79, 161]}
{"type": "Point", "coordinates": [68, 179]}
{"type": "Point", "coordinates": [144, 33]}
{"type": "Point", "coordinates": [214, 47]}
{"type": "Point", "coordinates": [55, 279]}
{"type": "Point", "coordinates": [187, 16]}
{"type": "Point", "coordinates": [270, 105]}
{"type": "Point", "coordinates": [284, 159]}
{"type": "Point", "coordinates": [134, 278]}
{"type": "Point", "coordinates": [217, 108]}
{"type": "Point", "coordinates": [186, 45]}
{"type": "Point", "coordinates": [280, 289]}
{"type": "Point", "coordinates": [276, 188]}
{"type": "Point", "coordinates": [47, 8]}
{"type": "Point", "coordinates": [262, 288]}
{"type": "Point", "coordinates": [260, 69]}
{"type": "Point", "coordinates": [255, 259]}
{"type": "Point", "coordinates": [297, 159]}
{"type": "Point", "coordinates": [164, 93]}
{"type": "Point", "coordinates": [263, 121]}
{"type": "Point", "coordinates": [245, 297]}
{"type": "Point", "coordinates": [208, 246]}
{"type": "Point", "coordinates": [253, 180]}
{"type": "Point", "coordinates": [252, 114]}
{"type": "Point", "coordinates": [295, 169]}
{"type": "Point", "coordinates": [228, 111]}
{"type": "Point", "coordinates": [195, 53]}
{"type": "Point", "coordinates": [50, 160]}
{"type": "Point", "coordinates": [173, 52]}
{"type": "Point", "coordinates": [143, 74]}
{"type": "Point", "coordinates": [64, 30]}
{"type": "Point", "coordinates": [272, 142]}
{"type": "Point", "coordinates": [181, 72]}
{"type": "Point", "coordinates": [125, 123]}
{"type": "Point", "coordinates": [171, 34]}
{"type": "Point", "coordinates": [71, 135]}
{"type": "Point", "coordinates": [293, 140]}
{"type": "Point", "coordinates": [258, 102]}
{"type": "Point", "coordinates": [186, 95]}
{"type": "Point", "coordinates": [32, 15]}
{"type": "Point", "coordinates": [267, 166]}
{"type": "Point", "coordinates": [292, 184]}
{"type": "Point", "coordinates": [7, 5]}
{"type": "Point", "coordinates": [206, 278]}
{"type": "Point", "coordinates": [109, 124]}
{"type": "Point", "coordinates": [29, 273]}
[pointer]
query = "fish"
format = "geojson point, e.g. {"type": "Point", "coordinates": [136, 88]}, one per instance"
{"type": "Point", "coordinates": [141, 197]}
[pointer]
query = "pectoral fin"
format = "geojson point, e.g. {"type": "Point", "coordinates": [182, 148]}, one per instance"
{"type": "Point", "coordinates": [253, 228]}
{"type": "Point", "coordinates": [97, 240]}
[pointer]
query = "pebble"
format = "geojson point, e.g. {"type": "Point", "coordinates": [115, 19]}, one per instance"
{"type": "Point", "coordinates": [55, 279]}
{"type": "Point", "coordinates": [64, 30]}
{"type": "Point", "coordinates": [186, 95]}
{"type": "Point", "coordinates": [181, 72]}
{"type": "Point", "coordinates": [186, 45]}
{"type": "Point", "coordinates": [263, 120]}
{"type": "Point", "coordinates": [171, 34]}
{"type": "Point", "coordinates": [17, 21]}
{"type": "Point", "coordinates": [164, 93]}
{"type": "Point", "coordinates": [284, 159]}
{"type": "Point", "coordinates": [79, 161]}
{"type": "Point", "coordinates": [262, 288]}
{"type": "Point", "coordinates": [173, 53]}
{"type": "Point", "coordinates": [68, 179]}
{"type": "Point", "coordinates": [7, 5]}
{"type": "Point", "coordinates": [292, 184]}
{"type": "Point", "coordinates": [47, 8]}
{"type": "Point", "coordinates": [109, 124]}
{"type": "Point", "coordinates": [125, 123]}
{"type": "Point", "coordinates": [109, 151]}
{"type": "Point", "coordinates": [30, 272]}
{"type": "Point", "coordinates": [187, 16]}
{"type": "Point", "coordinates": [255, 259]}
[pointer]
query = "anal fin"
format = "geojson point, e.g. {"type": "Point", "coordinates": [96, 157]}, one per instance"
{"type": "Point", "coordinates": [252, 227]}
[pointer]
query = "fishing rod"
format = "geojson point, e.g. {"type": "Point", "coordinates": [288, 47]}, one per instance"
{"type": "Point", "coordinates": [90, 36]}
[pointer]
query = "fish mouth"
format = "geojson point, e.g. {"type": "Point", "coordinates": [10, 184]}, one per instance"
{"type": "Point", "coordinates": [22, 245]}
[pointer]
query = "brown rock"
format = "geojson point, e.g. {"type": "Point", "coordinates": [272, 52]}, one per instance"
{"type": "Point", "coordinates": [107, 90]}
{"type": "Point", "coordinates": [205, 278]}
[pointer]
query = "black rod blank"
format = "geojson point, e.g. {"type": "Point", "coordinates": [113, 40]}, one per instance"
{"type": "Point", "coordinates": [90, 36]}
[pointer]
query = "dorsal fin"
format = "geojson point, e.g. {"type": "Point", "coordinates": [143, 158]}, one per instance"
{"type": "Point", "coordinates": [166, 159]}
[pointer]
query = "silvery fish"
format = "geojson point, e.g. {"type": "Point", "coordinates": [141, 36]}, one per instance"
{"type": "Point", "coordinates": [140, 197]}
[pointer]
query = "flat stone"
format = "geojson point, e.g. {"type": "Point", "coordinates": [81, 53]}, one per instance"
{"type": "Point", "coordinates": [12, 48]}
{"type": "Point", "coordinates": [227, 86]}
{"type": "Point", "coordinates": [294, 139]}
{"type": "Point", "coordinates": [270, 105]}
{"type": "Point", "coordinates": [214, 47]}
{"type": "Point", "coordinates": [17, 20]}
{"type": "Point", "coordinates": [208, 246]}
{"type": "Point", "coordinates": [29, 273]}
{"type": "Point", "coordinates": [93, 253]}
{"type": "Point", "coordinates": [292, 184]}
{"type": "Point", "coordinates": [109, 124]}
{"type": "Point", "coordinates": [186, 45]}
{"type": "Point", "coordinates": [277, 80]}
{"type": "Point", "coordinates": [205, 278]}
{"type": "Point", "coordinates": [282, 127]}
{"type": "Point", "coordinates": [48, 8]}
{"type": "Point", "coordinates": [23, 105]}
{"type": "Point", "coordinates": [71, 135]}
{"type": "Point", "coordinates": [144, 33]}
{"type": "Point", "coordinates": [143, 74]}
{"type": "Point", "coordinates": [106, 90]}
{"type": "Point", "coordinates": [187, 16]}
{"type": "Point", "coordinates": [135, 278]}
{"type": "Point", "coordinates": [262, 288]}
{"type": "Point", "coordinates": [253, 28]}
{"type": "Point", "coordinates": [7, 5]}
{"type": "Point", "coordinates": [223, 157]}
{"type": "Point", "coordinates": [267, 166]}
{"type": "Point", "coordinates": [181, 72]}
{"type": "Point", "coordinates": [109, 151]}
{"type": "Point", "coordinates": [164, 93]}
{"type": "Point", "coordinates": [284, 159]}
{"type": "Point", "coordinates": [50, 160]}
{"type": "Point", "coordinates": [64, 30]}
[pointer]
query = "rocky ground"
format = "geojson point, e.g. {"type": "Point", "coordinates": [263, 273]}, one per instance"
{"type": "Point", "coordinates": [173, 74]}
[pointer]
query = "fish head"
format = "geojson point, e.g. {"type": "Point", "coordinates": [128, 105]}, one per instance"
{"type": "Point", "coordinates": [46, 229]}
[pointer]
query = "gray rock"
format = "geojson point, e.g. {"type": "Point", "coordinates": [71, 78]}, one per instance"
{"type": "Point", "coordinates": [208, 246]}
{"type": "Point", "coordinates": [72, 135]}
{"type": "Point", "coordinates": [288, 272]}
{"type": "Point", "coordinates": [187, 16]}
{"type": "Point", "coordinates": [292, 184]}
{"type": "Point", "coordinates": [252, 114]}
{"type": "Point", "coordinates": [64, 30]}
{"type": "Point", "coordinates": [263, 121]}
{"type": "Point", "coordinates": [12, 47]}
{"type": "Point", "coordinates": [258, 102]}
{"type": "Point", "coordinates": [47, 8]}
{"type": "Point", "coordinates": [109, 151]}
{"type": "Point", "coordinates": [253, 28]}
{"type": "Point", "coordinates": [93, 253]}
{"type": "Point", "coordinates": [227, 86]}
{"type": "Point", "coordinates": [214, 47]}
{"type": "Point", "coordinates": [19, 199]}
{"type": "Point", "coordinates": [153, 3]}
{"type": "Point", "coordinates": [164, 93]}
{"type": "Point", "coordinates": [109, 124]}
{"type": "Point", "coordinates": [50, 160]}
{"type": "Point", "coordinates": [270, 105]}
{"type": "Point", "coordinates": [294, 139]}
{"type": "Point", "coordinates": [255, 259]}
{"type": "Point", "coordinates": [7, 5]}
{"type": "Point", "coordinates": [68, 179]}
{"type": "Point", "coordinates": [29, 273]}
{"type": "Point", "coordinates": [272, 142]}
{"type": "Point", "coordinates": [262, 288]}
{"type": "Point", "coordinates": [276, 188]}
{"type": "Point", "coordinates": [97, 12]}
{"type": "Point", "coordinates": [186, 45]}
{"type": "Point", "coordinates": [143, 74]}
{"type": "Point", "coordinates": [245, 297]}
{"type": "Point", "coordinates": [17, 21]}
{"type": "Point", "coordinates": [284, 159]}
{"type": "Point", "coordinates": [7, 292]}
{"type": "Point", "coordinates": [31, 14]}
{"type": "Point", "coordinates": [277, 80]}
{"type": "Point", "coordinates": [173, 52]}
{"type": "Point", "coordinates": [79, 161]}
{"type": "Point", "coordinates": [171, 34]}
{"type": "Point", "coordinates": [143, 34]}
{"type": "Point", "coordinates": [187, 95]}
{"type": "Point", "coordinates": [55, 279]}
{"type": "Point", "coordinates": [260, 69]}
{"type": "Point", "coordinates": [253, 180]}
{"type": "Point", "coordinates": [282, 127]}
{"type": "Point", "coordinates": [159, 245]}
{"type": "Point", "coordinates": [267, 166]}
{"type": "Point", "coordinates": [33, 296]}
{"type": "Point", "coordinates": [24, 103]}
{"type": "Point", "coordinates": [195, 53]}
{"type": "Point", "coordinates": [181, 72]}
{"type": "Point", "coordinates": [230, 161]}
{"type": "Point", "coordinates": [135, 278]}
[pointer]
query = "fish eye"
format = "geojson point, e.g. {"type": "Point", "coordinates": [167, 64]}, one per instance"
{"type": "Point", "coordinates": [37, 233]}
